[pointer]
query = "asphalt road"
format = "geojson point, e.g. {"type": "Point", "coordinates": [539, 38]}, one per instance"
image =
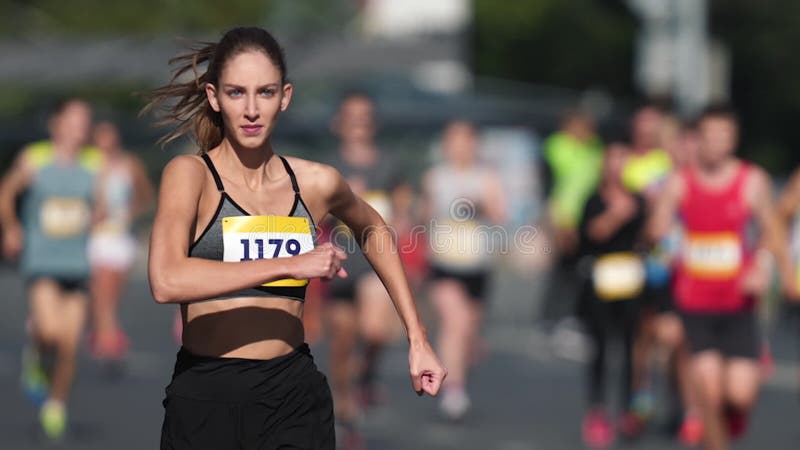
{"type": "Point", "coordinates": [524, 397]}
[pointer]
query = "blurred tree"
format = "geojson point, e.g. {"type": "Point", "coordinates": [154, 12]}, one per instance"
{"type": "Point", "coordinates": [590, 43]}
{"type": "Point", "coordinates": [88, 18]}
{"type": "Point", "coordinates": [762, 38]}
{"type": "Point", "coordinates": [571, 43]}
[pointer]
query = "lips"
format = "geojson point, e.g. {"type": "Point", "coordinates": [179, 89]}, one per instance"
{"type": "Point", "coordinates": [251, 129]}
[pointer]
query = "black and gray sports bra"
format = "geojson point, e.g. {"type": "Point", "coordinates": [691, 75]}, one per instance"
{"type": "Point", "coordinates": [212, 241]}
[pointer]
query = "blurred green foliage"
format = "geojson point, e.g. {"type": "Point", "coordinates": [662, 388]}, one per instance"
{"type": "Point", "coordinates": [590, 43]}
{"type": "Point", "coordinates": [571, 43]}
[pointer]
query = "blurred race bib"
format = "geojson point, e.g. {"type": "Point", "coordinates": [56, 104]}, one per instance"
{"type": "Point", "coordinates": [712, 255]}
{"type": "Point", "coordinates": [63, 217]}
{"type": "Point", "coordinates": [246, 238]}
{"type": "Point", "coordinates": [379, 201]}
{"type": "Point", "coordinates": [458, 244]}
{"type": "Point", "coordinates": [618, 276]}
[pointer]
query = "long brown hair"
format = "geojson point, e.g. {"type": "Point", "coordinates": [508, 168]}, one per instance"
{"type": "Point", "coordinates": [184, 105]}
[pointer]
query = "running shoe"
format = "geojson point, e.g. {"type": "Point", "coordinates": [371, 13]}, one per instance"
{"type": "Point", "coordinates": [33, 379]}
{"type": "Point", "coordinates": [736, 422]}
{"type": "Point", "coordinates": [597, 430]}
{"type": "Point", "coordinates": [643, 404]}
{"type": "Point", "coordinates": [53, 418]}
{"type": "Point", "coordinates": [631, 425]}
{"type": "Point", "coordinates": [348, 436]}
{"type": "Point", "coordinates": [455, 403]}
{"type": "Point", "coordinates": [113, 346]}
{"type": "Point", "coordinates": [691, 431]}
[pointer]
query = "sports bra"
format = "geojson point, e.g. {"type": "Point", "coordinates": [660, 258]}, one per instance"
{"type": "Point", "coordinates": [247, 237]}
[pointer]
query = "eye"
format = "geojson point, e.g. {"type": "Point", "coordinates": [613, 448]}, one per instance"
{"type": "Point", "coordinates": [268, 92]}
{"type": "Point", "coordinates": [235, 92]}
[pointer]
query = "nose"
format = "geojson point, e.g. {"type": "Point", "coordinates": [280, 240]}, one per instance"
{"type": "Point", "coordinates": [251, 109]}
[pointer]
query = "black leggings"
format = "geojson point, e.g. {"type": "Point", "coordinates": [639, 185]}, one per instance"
{"type": "Point", "coordinates": [603, 320]}
{"type": "Point", "coordinates": [235, 403]}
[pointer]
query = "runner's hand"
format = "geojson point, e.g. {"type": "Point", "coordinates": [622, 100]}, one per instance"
{"type": "Point", "coordinates": [790, 289]}
{"type": "Point", "coordinates": [427, 373]}
{"type": "Point", "coordinates": [325, 262]}
{"type": "Point", "coordinates": [12, 242]}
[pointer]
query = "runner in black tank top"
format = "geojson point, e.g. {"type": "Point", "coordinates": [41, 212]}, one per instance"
{"type": "Point", "coordinates": [234, 247]}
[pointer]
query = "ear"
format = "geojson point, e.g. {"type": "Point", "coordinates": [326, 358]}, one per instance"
{"type": "Point", "coordinates": [211, 95]}
{"type": "Point", "coordinates": [286, 98]}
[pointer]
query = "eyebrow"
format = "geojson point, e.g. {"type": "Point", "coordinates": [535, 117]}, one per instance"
{"type": "Point", "coordinates": [229, 85]}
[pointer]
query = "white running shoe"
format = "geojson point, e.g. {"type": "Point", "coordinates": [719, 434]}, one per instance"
{"type": "Point", "coordinates": [455, 403]}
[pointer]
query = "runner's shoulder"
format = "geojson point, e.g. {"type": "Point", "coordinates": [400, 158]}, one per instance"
{"type": "Point", "coordinates": [314, 178]}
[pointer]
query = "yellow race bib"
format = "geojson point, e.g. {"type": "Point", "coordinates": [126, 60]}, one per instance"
{"type": "Point", "coordinates": [712, 255]}
{"type": "Point", "coordinates": [458, 244]}
{"type": "Point", "coordinates": [246, 238]}
{"type": "Point", "coordinates": [379, 201]}
{"type": "Point", "coordinates": [64, 217]}
{"type": "Point", "coordinates": [618, 276]}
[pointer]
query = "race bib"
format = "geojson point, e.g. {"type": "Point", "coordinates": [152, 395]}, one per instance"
{"type": "Point", "coordinates": [64, 217]}
{"type": "Point", "coordinates": [379, 201]}
{"type": "Point", "coordinates": [712, 255]}
{"type": "Point", "coordinates": [458, 244]}
{"type": "Point", "coordinates": [246, 238]}
{"type": "Point", "coordinates": [618, 276]}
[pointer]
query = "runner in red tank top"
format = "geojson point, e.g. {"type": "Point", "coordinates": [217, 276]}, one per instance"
{"type": "Point", "coordinates": [722, 268]}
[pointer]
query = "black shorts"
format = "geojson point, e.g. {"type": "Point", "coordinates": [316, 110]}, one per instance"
{"type": "Point", "coordinates": [657, 299]}
{"type": "Point", "coordinates": [66, 284]}
{"type": "Point", "coordinates": [344, 289]}
{"type": "Point", "coordinates": [733, 335]}
{"type": "Point", "coordinates": [235, 403]}
{"type": "Point", "coordinates": [474, 282]}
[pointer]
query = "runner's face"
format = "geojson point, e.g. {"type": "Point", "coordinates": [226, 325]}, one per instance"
{"type": "Point", "coordinates": [355, 121]}
{"type": "Point", "coordinates": [106, 137]}
{"type": "Point", "coordinates": [718, 139]}
{"type": "Point", "coordinates": [249, 96]}
{"type": "Point", "coordinates": [72, 126]}
{"type": "Point", "coordinates": [614, 161]}
{"type": "Point", "coordinates": [460, 144]}
{"type": "Point", "coordinates": [646, 126]}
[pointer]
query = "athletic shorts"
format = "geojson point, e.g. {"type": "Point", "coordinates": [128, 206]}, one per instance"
{"type": "Point", "coordinates": [733, 335]}
{"type": "Point", "coordinates": [344, 289]}
{"type": "Point", "coordinates": [112, 250]}
{"type": "Point", "coordinates": [66, 284]}
{"type": "Point", "coordinates": [657, 299]}
{"type": "Point", "coordinates": [236, 403]}
{"type": "Point", "coordinates": [474, 282]}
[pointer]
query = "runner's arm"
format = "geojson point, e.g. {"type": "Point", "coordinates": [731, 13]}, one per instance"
{"type": "Point", "coordinates": [379, 247]}
{"type": "Point", "coordinates": [664, 209]}
{"type": "Point", "coordinates": [176, 278]}
{"type": "Point", "coordinates": [773, 230]}
{"type": "Point", "coordinates": [377, 243]}
{"type": "Point", "coordinates": [494, 200]}
{"type": "Point", "coordinates": [13, 183]}
{"type": "Point", "coordinates": [142, 188]}
{"type": "Point", "coordinates": [789, 201]}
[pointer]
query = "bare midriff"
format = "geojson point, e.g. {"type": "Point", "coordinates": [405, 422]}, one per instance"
{"type": "Point", "coordinates": [244, 327]}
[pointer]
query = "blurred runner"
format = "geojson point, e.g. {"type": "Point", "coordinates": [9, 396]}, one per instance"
{"type": "Point", "coordinates": [463, 196]}
{"type": "Point", "coordinates": [789, 207]}
{"type": "Point", "coordinates": [50, 237]}
{"type": "Point", "coordinates": [573, 162]}
{"type": "Point", "coordinates": [610, 231]}
{"type": "Point", "coordinates": [721, 271]}
{"type": "Point", "coordinates": [659, 331]}
{"type": "Point", "coordinates": [125, 192]}
{"type": "Point", "coordinates": [412, 241]}
{"type": "Point", "coordinates": [360, 310]}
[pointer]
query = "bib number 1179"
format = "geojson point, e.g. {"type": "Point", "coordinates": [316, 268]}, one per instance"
{"type": "Point", "coordinates": [291, 247]}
